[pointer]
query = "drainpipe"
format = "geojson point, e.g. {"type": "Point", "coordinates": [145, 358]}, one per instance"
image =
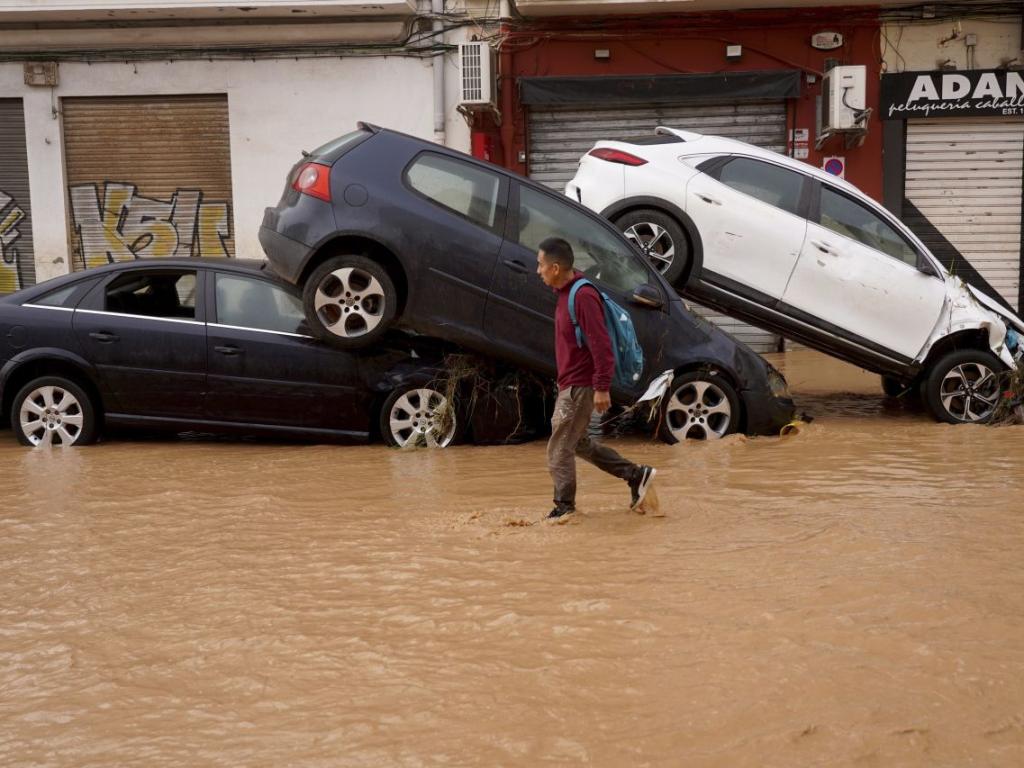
{"type": "Point", "coordinates": [437, 63]}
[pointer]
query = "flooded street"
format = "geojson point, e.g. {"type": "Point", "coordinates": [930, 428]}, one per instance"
{"type": "Point", "coordinates": [851, 595]}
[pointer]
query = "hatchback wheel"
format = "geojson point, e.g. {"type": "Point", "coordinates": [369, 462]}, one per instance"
{"type": "Point", "coordinates": [700, 406]}
{"type": "Point", "coordinates": [660, 239]}
{"type": "Point", "coordinates": [963, 387]}
{"type": "Point", "coordinates": [53, 410]}
{"type": "Point", "coordinates": [350, 301]}
{"type": "Point", "coordinates": [418, 415]}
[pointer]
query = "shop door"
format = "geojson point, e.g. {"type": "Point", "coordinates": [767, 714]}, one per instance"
{"type": "Point", "coordinates": [17, 260]}
{"type": "Point", "coordinates": [148, 176]}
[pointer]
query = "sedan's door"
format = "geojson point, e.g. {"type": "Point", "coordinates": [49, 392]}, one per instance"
{"type": "Point", "coordinates": [144, 330]}
{"type": "Point", "coordinates": [858, 278]}
{"type": "Point", "coordinates": [264, 365]}
{"type": "Point", "coordinates": [750, 215]}
{"type": "Point", "coordinates": [521, 309]}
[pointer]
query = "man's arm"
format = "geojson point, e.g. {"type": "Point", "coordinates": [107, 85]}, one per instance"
{"type": "Point", "coordinates": [590, 315]}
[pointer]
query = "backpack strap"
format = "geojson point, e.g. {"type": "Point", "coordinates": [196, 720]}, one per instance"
{"type": "Point", "coordinates": [572, 307]}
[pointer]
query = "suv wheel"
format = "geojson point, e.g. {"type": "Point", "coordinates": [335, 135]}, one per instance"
{"type": "Point", "coordinates": [349, 301]}
{"type": "Point", "coordinates": [700, 406]}
{"type": "Point", "coordinates": [660, 239]}
{"type": "Point", "coordinates": [53, 411]}
{"type": "Point", "coordinates": [963, 387]}
{"type": "Point", "coordinates": [418, 414]}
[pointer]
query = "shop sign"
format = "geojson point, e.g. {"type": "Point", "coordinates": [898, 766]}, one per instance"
{"type": "Point", "coordinates": [974, 93]}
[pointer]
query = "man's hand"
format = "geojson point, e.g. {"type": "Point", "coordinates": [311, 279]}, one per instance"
{"type": "Point", "coordinates": [602, 401]}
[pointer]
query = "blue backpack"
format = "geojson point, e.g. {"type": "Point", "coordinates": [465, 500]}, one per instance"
{"type": "Point", "coordinates": [629, 357]}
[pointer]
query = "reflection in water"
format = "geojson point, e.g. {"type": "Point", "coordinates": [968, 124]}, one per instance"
{"type": "Point", "coordinates": [852, 594]}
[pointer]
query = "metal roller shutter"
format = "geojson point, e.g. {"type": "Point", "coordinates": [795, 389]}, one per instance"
{"type": "Point", "coordinates": [559, 136]}
{"type": "Point", "coordinates": [148, 176]}
{"type": "Point", "coordinates": [17, 265]}
{"type": "Point", "coordinates": [964, 177]}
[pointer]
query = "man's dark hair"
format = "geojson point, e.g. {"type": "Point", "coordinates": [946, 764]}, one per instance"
{"type": "Point", "coordinates": [558, 251]}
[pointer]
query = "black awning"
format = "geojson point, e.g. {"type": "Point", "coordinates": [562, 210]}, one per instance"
{"type": "Point", "coordinates": [645, 89]}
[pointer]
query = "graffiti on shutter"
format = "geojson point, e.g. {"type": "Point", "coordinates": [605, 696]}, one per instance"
{"type": "Point", "coordinates": [11, 215]}
{"type": "Point", "coordinates": [119, 224]}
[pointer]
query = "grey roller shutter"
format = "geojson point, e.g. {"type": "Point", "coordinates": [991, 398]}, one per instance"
{"type": "Point", "coordinates": [17, 265]}
{"type": "Point", "coordinates": [148, 176]}
{"type": "Point", "coordinates": [559, 136]}
{"type": "Point", "coordinates": [964, 178]}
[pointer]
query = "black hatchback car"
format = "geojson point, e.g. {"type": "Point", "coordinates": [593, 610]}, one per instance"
{"type": "Point", "coordinates": [383, 230]}
{"type": "Point", "coordinates": [213, 345]}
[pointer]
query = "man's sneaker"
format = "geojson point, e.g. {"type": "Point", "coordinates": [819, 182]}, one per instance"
{"type": "Point", "coordinates": [560, 510]}
{"type": "Point", "coordinates": [640, 483]}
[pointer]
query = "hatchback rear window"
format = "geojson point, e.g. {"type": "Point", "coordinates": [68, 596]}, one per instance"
{"type": "Point", "coordinates": [336, 148]}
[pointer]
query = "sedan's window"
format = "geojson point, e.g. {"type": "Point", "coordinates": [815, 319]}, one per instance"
{"type": "Point", "coordinates": [154, 294]}
{"type": "Point", "coordinates": [247, 303]}
{"type": "Point", "coordinates": [764, 181]}
{"type": "Point", "coordinates": [598, 253]}
{"type": "Point", "coordinates": [59, 298]}
{"type": "Point", "coordinates": [856, 221]}
{"type": "Point", "coordinates": [463, 188]}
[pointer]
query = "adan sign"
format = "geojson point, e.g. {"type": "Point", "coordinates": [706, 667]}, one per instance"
{"type": "Point", "coordinates": [974, 93]}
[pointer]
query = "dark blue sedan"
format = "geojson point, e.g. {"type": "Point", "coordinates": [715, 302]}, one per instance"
{"type": "Point", "coordinates": [205, 345]}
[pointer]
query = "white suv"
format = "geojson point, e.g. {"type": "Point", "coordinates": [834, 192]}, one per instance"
{"type": "Point", "coordinates": [775, 242]}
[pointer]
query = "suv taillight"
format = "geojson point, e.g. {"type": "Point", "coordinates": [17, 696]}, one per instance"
{"type": "Point", "coordinates": [616, 156]}
{"type": "Point", "coordinates": [314, 179]}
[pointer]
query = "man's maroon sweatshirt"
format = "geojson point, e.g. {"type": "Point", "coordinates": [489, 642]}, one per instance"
{"type": "Point", "coordinates": [593, 364]}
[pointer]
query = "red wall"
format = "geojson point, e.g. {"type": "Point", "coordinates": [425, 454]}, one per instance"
{"type": "Point", "coordinates": [696, 44]}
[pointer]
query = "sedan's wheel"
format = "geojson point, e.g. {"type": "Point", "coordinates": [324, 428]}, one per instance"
{"type": "Point", "coordinates": [350, 301]}
{"type": "Point", "coordinates": [53, 411]}
{"type": "Point", "coordinates": [700, 406]}
{"type": "Point", "coordinates": [963, 387]}
{"type": "Point", "coordinates": [660, 239]}
{"type": "Point", "coordinates": [418, 415]}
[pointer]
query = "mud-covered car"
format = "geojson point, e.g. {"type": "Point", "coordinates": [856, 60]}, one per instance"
{"type": "Point", "coordinates": [384, 230]}
{"type": "Point", "coordinates": [791, 248]}
{"type": "Point", "coordinates": [218, 345]}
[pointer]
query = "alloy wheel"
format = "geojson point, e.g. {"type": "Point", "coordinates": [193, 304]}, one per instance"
{"type": "Point", "coordinates": [698, 410]}
{"type": "Point", "coordinates": [350, 302]}
{"type": "Point", "coordinates": [422, 416]}
{"type": "Point", "coordinates": [654, 241]}
{"type": "Point", "coordinates": [51, 415]}
{"type": "Point", "coordinates": [969, 392]}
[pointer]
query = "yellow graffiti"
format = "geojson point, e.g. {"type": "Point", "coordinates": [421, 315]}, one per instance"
{"type": "Point", "coordinates": [128, 226]}
{"type": "Point", "coordinates": [10, 278]}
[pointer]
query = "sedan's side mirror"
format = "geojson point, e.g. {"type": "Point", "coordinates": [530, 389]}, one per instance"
{"type": "Point", "coordinates": [647, 295]}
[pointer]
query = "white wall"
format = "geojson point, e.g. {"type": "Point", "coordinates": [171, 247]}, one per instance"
{"type": "Point", "coordinates": [922, 46]}
{"type": "Point", "coordinates": [276, 108]}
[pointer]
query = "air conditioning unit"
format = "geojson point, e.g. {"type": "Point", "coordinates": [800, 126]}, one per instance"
{"type": "Point", "coordinates": [478, 66]}
{"type": "Point", "coordinates": [844, 98]}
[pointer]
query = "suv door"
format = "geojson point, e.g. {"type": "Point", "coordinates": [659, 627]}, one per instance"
{"type": "Point", "coordinates": [520, 315]}
{"type": "Point", "coordinates": [144, 330]}
{"type": "Point", "coordinates": [459, 215]}
{"type": "Point", "coordinates": [750, 214]}
{"type": "Point", "coordinates": [858, 278]}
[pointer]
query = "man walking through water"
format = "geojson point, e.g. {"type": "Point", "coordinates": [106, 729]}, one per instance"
{"type": "Point", "coordinates": [584, 380]}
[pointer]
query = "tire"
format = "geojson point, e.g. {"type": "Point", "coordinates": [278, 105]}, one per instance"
{"type": "Point", "coordinates": [963, 386]}
{"type": "Point", "coordinates": [661, 239]}
{"type": "Point", "coordinates": [350, 301]}
{"type": "Point", "coordinates": [52, 410]}
{"type": "Point", "coordinates": [699, 406]}
{"type": "Point", "coordinates": [418, 413]}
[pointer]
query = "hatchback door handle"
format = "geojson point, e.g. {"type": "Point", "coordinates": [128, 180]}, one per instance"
{"type": "Point", "coordinates": [104, 337]}
{"type": "Point", "coordinates": [516, 266]}
{"type": "Point", "coordinates": [823, 247]}
{"type": "Point", "coordinates": [228, 350]}
{"type": "Point", "coordinates": [706, 199]}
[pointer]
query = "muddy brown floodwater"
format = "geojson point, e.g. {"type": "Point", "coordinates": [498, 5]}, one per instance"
{"type": "Point", "coordinates": [852, 595]}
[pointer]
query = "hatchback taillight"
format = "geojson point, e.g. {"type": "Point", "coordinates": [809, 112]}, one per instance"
{"type": "Point", "coordinates": [314, 179]}
{"type": "Point", "coordinates": [616, 156]}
